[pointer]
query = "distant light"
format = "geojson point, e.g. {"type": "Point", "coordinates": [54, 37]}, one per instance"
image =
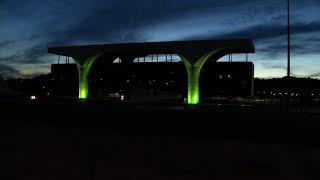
{"type": "Point", "coordinates": [43, 87]}
{"type": "Point", "coordinates": [122, 98]}
{"type": "Point", "coordinates": [101, 79]}
{"type": "Point", "coordinates": [32, 97]}
{"type": "Point", "coordinates": [311, 94]}
{"type": "Point", "coordinates": [128, 80]}
{"type": "Point", "coordinates": [286, 93]}
{"type": "Point", "coordinates": [48, 94]}
{"type": "Point", "coordinates": [115, 95]}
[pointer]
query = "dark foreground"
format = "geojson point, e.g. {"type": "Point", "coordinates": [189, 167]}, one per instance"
{"type": "Point", "coordinates": [104, 140]}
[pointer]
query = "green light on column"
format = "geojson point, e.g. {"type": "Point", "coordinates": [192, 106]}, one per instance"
{"type": "Point", "coordinates": [83, 82]}
{"type": "Point", "coordinates": [193, 84]}
{"type": "Point", "coordinates": [193, 67]}
{"type": "Point", "coordinates": [84, 71]}
{"type": "Point", "coordinates": [83, 94]}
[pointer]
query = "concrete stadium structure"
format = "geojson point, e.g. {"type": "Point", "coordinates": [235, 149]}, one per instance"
{"type": "Point", "coordinates": [193, 53]}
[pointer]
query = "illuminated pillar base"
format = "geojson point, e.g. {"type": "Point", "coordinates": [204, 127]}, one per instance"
{"type": "Point", "coordinates": [83, 82]}
{"type": "Point", "coordinates": [193, 84]}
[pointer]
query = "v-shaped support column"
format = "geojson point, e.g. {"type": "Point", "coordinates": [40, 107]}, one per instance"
{"type": "Point", "coordinates": [193, 67]}
{"type": "Point", "coordinates": [84, 70]}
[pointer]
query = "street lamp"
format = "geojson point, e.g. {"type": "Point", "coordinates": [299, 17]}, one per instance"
{"type": "Point", "coordinates": [288, 55]}
{"type": "Point", "coordinates": [288, 29]}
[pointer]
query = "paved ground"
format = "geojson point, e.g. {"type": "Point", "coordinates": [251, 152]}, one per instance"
{"type": "Point", "coordinates": [103, 140]}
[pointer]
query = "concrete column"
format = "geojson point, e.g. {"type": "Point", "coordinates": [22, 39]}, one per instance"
{"type": "Point", "coordinates": [193, 84]}
{"type": "Point", "coordinates": [84, 70]}
{"type": "Point", "coordinates": [193, 66]}
{"type": "Point", "coordinates": [83, 81]}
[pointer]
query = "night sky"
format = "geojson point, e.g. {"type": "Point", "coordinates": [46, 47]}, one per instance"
{"type": "Point", "coordinates": [29, 27]}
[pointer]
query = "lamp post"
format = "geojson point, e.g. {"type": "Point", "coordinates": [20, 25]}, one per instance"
{"type": "Point", "coordinates": [288, 54]}
{"type": "Point", "coordinates": [288, 29]}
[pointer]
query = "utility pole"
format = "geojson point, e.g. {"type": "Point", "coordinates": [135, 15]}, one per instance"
{"type": "Point", "coordinates": [288, 68]}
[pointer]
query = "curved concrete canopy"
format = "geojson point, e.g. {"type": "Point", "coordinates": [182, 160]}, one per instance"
{"type": "Point", "coordinates": [188, 49]}
{"type": "Point", "coordinates": [193, 53]}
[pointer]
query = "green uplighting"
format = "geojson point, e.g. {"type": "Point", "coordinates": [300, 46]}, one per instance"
{"type": "Point", "coordinates": [193, 85]}
{"type": "Point", "coordinates": [83, 81]}
{"type": "Point", "coordinates": [193, 70]}
{"type": "Point", "coordinates": [84, 71]}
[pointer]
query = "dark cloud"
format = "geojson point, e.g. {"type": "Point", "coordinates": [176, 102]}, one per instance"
{"type": "Point", "coordinates": [271, 42]}
{"type": "Point", "coordinates": [34, 54]}
{"type": "Point", "coordinates": [116, 22]}
{"type": "Point", "coordinates": [9, 71]}
{"type": "Point", "coordinates": [314, 75]}
{"type": "Point", "coordinates": [98, 28]}
{"type": "Point", "coordinates": [6, 43]}
{"type": "Point", "coordinates": [6, 68]}
{"type": "Point", "coordinates": [273, 51]}
{"type": "Point", "coordinates": [273, 66]}
{"type": "Point", "coordinates": [301, 44]}
{"type": "Point", "coordinates": [263, 31]}
{"type": "Point", "coordinates": [30, 55]}
{"type": "Point", "coordinates": [282, 67]}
